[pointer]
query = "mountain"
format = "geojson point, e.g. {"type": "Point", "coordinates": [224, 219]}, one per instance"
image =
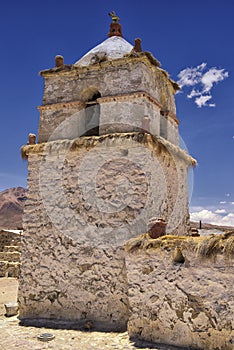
{"type": "Point", "coordinates": [11, 207]}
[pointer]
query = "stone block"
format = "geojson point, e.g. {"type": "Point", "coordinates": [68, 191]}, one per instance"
{"type": "Point", "coordinates": [11, 309]}
{"type": "Point", "coordinates": [3, 268]}
{"type": "Point", "coordinates": [13, 269]}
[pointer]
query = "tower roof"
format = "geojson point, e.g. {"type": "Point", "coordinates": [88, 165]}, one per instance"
{"type": "Point", "coordinates": [111, 48]}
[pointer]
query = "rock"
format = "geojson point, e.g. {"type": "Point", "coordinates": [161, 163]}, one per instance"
{"type": "Point", "coordinates": [156, 227]}
{"type": "Point", "coordinates": [194, 232]}
{"type": "Point", "coordinates": [11, 309]}
{"type": "Point", "coordinates": [45, 337]}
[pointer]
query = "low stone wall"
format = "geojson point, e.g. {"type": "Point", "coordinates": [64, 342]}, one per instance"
{"type": "Point", "coordinates": [178, 297]}
{"type": "Point", "coordinates": [10, 245]}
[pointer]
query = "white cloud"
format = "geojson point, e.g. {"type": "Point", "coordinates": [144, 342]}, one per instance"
{"type": "Point", "coordinates": [204, 215]}
{"type": "Point", "coordinates": [223, 202]}
{"type": "Point", "coordinates": [227, 194]}
{"type": "Point", "coordinates": [202, 100]}
{"type": "Point", "coordinates": [220, 211]}
{"type": "Point", "coordinates": [215, 218]}
{"type": "Point", "coordinates": [191, 76]}
{"type": "Point", "coordinates": [232, 203]}
{"type": "Point", "coordinates": [212, 76]}
{"type": "Point", "coordinates": [204, 81]}
{"type": "Point", "coordinates": [194, 93]}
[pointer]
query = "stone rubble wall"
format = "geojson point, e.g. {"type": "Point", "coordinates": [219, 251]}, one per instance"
{"type": "Point", "coordinates": [63, 279]}
{"type": "Point", "coordinates": [77, 184]}
{"type": "Point", "coordinates": [85, 199]}
{"type": "Point", "coordinates": [188, 304]}
{"type": "Point", "coordinates": [76, 219]}
{"type": "Point", "coordinates": [67, 281]}
{"type": "Point", "coordinates": [9, 254]}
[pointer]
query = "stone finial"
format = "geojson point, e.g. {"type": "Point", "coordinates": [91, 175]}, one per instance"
{"type": "Point", "coordinates": [115, 30]}
{"type": "Point", "coordinates": [59, 61]}
{"type": "Point", "coordinates": [31, 139]}
{"type": "Point", "coordinates": [137, 45]}
{"type": "Point", "coordinates": [115, 26]}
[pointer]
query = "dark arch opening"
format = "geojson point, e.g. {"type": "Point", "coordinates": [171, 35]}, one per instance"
{"type": "Point", "coordinates": [92, 115]}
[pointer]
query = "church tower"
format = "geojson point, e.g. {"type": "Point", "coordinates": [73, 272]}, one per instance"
{"type": "Point", "coordinates": [107, 161]}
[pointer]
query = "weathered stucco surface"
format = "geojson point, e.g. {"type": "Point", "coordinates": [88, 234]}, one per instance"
{"type": "Point", "coordinates": [187, 303]}
{"type": "Point", "coordinates": [63, 280]}
{"type": "Point", "coordinates": [75, 181]}
{"type": "Point", "coordinates": [77, 219]}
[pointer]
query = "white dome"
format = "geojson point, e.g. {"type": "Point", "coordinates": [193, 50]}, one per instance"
{"type": "Point", "coordinates": [112, 48]}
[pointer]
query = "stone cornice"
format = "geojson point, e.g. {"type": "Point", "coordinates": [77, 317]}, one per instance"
{"type": "Point", "coordinates": [137, 94]}
{"type": "Point", "coordinates": [129, 96]}
{"type": "Point", "coordinates": [112, 98]}
{"type": "Point", "coordinates": [121, 98]}
{"type": "Point", "coordinates": [60, 105]}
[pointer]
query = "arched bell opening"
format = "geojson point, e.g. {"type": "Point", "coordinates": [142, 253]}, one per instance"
{"type": "Point", "coordinates": [92, 112]}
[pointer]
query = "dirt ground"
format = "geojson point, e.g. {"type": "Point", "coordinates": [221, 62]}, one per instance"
{"type": "Point", "coordinates": [8, 292]}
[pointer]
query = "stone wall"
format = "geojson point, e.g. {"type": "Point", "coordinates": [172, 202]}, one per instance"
{"type": "Point", "coordinates": [130, 89]}
{"type": "Point", "coordinates": [177, 297]}
{"type": "Point", "coordinates": [77, 218]}
{"type": "Point", "coordinates": [67, 281]}
{"type": "Point", "coordinates": [120, 76]}
{"type": "Point", "coordinates": [76, 180]}
{"type": "Point", "coordinates": [122, 113]}
{"type": "Point", "coordinates": [125, 114]}
{"type": "Point", "coordinates": [54, 118]}
{"type": "Point", "coordinates": [10, 246]}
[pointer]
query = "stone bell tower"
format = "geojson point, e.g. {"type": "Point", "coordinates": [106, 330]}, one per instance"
{"type": "Point", "coordinates": [107, 160]}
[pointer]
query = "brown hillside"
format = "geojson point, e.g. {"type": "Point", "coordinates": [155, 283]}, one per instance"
{"type": "Point", "coordinates": [11, 207]}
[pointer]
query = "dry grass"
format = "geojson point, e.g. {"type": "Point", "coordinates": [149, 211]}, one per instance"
{"type": "Point", "coordinates": [217, 244]}
{"type": "Point", "coordinates": [229, 244]}
{"type": "Point", "coordinates": [210, 246]}
{"type": "Point", "coordinates": [205, 247]}
{"type": "Point", "coordinates": [144, 242]}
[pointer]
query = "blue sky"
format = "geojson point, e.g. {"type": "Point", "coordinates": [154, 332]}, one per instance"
{"type": "Point", "coordinates": [180, 34]}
